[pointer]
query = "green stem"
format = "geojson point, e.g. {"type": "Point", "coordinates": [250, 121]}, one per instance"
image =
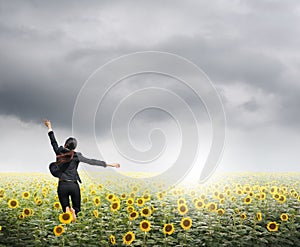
{"type": "Point", "coordinates": [165, 242]}
{"type": "Point", "coordinates": [144, 242]}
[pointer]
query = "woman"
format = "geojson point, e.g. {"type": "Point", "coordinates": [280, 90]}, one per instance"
{"type": "Point", "coordinates": [68, 177]}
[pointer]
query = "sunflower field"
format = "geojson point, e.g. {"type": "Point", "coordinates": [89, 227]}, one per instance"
{"type": "Point", "coordinates": [240, 209]}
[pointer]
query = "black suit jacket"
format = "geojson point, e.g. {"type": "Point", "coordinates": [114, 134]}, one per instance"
{"type": "Point", "coordinates": [69, 170]}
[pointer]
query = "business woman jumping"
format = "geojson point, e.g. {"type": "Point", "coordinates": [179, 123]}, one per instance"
{"type": "Point", "coordinates": [68, 176]}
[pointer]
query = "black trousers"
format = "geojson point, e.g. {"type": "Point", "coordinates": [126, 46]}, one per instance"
{"type": "Point", "coordinates": [67, 189]}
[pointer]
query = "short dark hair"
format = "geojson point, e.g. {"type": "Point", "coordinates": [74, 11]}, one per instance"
{"type": "Point", "coordinates": [71, 143]}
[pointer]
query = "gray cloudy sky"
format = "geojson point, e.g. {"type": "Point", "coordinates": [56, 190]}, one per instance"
{"type": "Point", "coordinates": [249, 50]}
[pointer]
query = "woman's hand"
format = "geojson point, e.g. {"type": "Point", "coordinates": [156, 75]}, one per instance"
{"type": "Point", "coordinates": [116, 165]}
{"type": "Point", "coordinates": [47, 123]}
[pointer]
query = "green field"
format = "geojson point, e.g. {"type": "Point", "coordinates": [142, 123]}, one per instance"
{"type": "Point", "coordinates": [239, 209]}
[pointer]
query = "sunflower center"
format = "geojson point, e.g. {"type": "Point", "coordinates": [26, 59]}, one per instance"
{"type": "Point", "coordinates": [13, 203]}
{"type": "Point", "coordinates": [145, 211]}
{"type": "Point", "coordinates": [66, 216]}
{"type": "Point", "coordinates": [186, 223]}
{"type": "Point", "coordinates": [168, 228]}
{"type": "Point", "coordinates": [115, 206]}
{"type": "Point", "coordinates": [145, 225]}
{"type": "Point", "coordinates": [59, 230]}
{"type": "Point", "coordinates": [272, 226]}
{"type": "Point", "coordinates": [128, 237]}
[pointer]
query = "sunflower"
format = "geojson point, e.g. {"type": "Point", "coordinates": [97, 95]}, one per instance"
{"type": "Point", "coordinates": [274, 190]}
{"type": "Point", "coordinates": [181, 201]}
{"type": "Point", "coordinates": [110, 197]}
{"type": "Point", "coordinates": [147, 197]}
{"type": "Point", "coordinates": [21, 216]}
{"type": "Point", "coordinates": [115, 206]}
{"type": "Point", "coordinates": [146, 212]}
{"type": "Point", "coordinates": [262, 196]}
{"type": "Point", "coordinates": [239, 192]}
{"type": "Point", "coordinates": [93, 192]}
{"type": "Point", "coordinates": [133, 215]}
{"type": "Point", "coordinates": [160, 195]}
{"type": "Point", "coordinates": [186, 223]}
{"type": "Point", "coordinates": [56, 205]}
{"type": "Point", "coordinates": [220, 211]}
{"type": "Point", "coordinates": [221, 196]}
{"type": "Point", "coordinates": [263, 189]}
{"type": "Point", "coordinates": [192, 193]}
{"type": "Point", "coordinates": [145, 226]}
{"type": "Point", "coordinates": [27, 212]}
{"type": "Point", "coordinates": [96, 200]}
{"type": "Point", "coordinates": [112, 239]}
{"type": "Point", "coordinates": [199, 204]}
{"type": "Point", "coordinates": [243, 216]}
{"type": "Point", "coordinates": [168, 229]}
{"type": "Point", "coordinates": [212, 207]}
{"type": "Point", "coordinates": [130, 209]}
{"type": "Point", "coordinates": [259, 216]}
{"type": "Point", "coordinates": [95, 213]}
{"type": "Point", "coordinates": [282, 199]}
{"type": "Point", "coordinates": [130, 201]}
{"type": "Point", "coordinates": [140, 202]}
{"type": "Point", "coordinates": [203, 197]}
{"type": "Point", "coordinates": [216, 194]}
{"type": "Point", "coordinates": [2, 194]}
{"type": "Point", "coordinates": [182, 209]}
{"type": "Point", "coordinates": [123, 196]}
{"type": "Point", "coordinates": [232, 199]}
{"type": "Point", "coordinates": [247, 188]}
{"type": "Point", "coordinates": [284, 217]}
{"type": "Point", "coordinates": [251, 193]}
{"type": "Point", "coordinates": [38, 201]}
{"type": "Point", "coordinates": [58, 230]}
{"type": "Point", "coordinates": [128, 238]}
{"type": "Point", "coordinates": [247, 200]}
{"type": "Point", "coordinates": [85, 199]}
{"type": "Point", "coordinates": [66, 217]}
{"type": "Point", "coordinates": [13, 203]}
{"type": "Point", "coordinates": [272, 226]}
{"type": "Point", "coordinates": [26, 195]}
{"type": "Point", "coordinates": [276, 196]}
{"type": "Point", "coordinates": [116, 199]}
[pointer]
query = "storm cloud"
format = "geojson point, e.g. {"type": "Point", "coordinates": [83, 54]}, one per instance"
{"type": "Point", "coordinates": [248, 49]}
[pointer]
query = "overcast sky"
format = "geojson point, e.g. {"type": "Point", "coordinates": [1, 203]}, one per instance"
{"type": "Point", "coordinates": [248, 49]}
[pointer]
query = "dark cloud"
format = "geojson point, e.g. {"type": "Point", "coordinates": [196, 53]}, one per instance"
{"type": "Point", "coordinates": [50, 49]}
{"type": "Point", "coordinates": [250, 105]}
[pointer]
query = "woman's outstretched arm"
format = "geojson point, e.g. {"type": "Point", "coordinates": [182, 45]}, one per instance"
{"type": "Point", "coordinates": [51, 136]}
{"type": "Point", "coordinates": [95, 162]}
